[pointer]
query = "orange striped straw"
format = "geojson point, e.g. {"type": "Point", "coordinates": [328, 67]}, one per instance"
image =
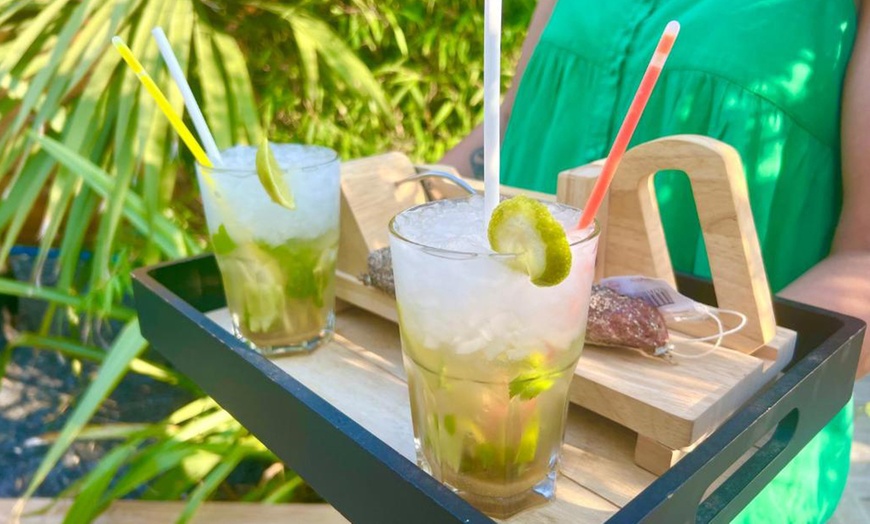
{"type": "Point", "coordinates": [635, 110]}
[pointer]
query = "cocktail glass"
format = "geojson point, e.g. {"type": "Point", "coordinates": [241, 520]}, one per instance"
{"type": "Point", "coordinates": [489, 356]}
{"type": "Point", "coordinates": [277, 264]}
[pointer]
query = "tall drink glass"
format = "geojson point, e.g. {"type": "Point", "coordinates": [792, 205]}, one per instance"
{"type": "Point", "coordinates": [277, 264]}
{"type": "Point", "coordinates": [489, 355]}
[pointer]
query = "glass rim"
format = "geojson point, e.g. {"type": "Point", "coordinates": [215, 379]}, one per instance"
{"type": "Point", "coordinates": [596, 230]}
{"type": "Point", "coordinates": [252, 170]}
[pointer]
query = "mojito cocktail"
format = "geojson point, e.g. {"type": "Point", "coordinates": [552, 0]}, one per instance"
{"type": "Point", "coordinates": [277, 264]}
{"type": "Point", "coordinates": [488, 353]}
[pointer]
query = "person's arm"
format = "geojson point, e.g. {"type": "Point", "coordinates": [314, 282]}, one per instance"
{"type": "Point", "coordinates": [467, 156]}
{"type": "Point", "coordinates": [841, 282]}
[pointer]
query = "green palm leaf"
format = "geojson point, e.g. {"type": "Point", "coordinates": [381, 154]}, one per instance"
{"type": "Point", "coordinates": [33, 31]}
{"type": "Point", "coordinates": [87, 503]}
{"type": "Point", "coordinates": [334, 52]}
{"type": "Point", "coordinates": [214, 478]}
{"type": "Point", "coordinates": [23, 289]}
{"type": "Point", "coordinates": [216, 99]}
{"type": "Point", "coordinates": [166, 235]}
{"type": "Point", "coordinates": [85, 352]}
{"type": "Point", "coordinates": [128, 346]}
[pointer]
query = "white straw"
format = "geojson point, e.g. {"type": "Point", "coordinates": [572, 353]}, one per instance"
{"type": "Point", "coordinates": [491, 103]}
{"type": "Point", "coordinates": [189, 101]}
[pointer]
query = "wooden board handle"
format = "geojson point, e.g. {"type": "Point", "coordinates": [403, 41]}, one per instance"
{"type": "Point", "coordinates": [635, 241]}
{"type": "Point", "coordinates": [370, 197]}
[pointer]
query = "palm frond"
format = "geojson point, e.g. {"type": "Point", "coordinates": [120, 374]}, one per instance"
{"type": "Point", "coordinates": [334, 52]}
{"type": "Point", "coordinates": [128, 346]}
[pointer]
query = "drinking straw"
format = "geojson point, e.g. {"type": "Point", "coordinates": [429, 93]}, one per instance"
{"type": "Point", "coordinates": [162, 102]}
{"type": "Point", "coordinates": [189, 100]}
{"type": "Point", "coordinates": [635, 110]}
{"type": "Point", "coordinates": [491, 97]}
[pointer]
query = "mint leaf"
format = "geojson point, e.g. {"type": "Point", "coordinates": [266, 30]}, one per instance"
{"type": "Point", "coordinates": [450, 424]}
{"type": "Point", "coordinates": [529, 385]}
{"type": "Point", "coordinates": [488, 455]}
{"type": "Point", "coordinates": [222, 242]}
{"type": "Point", "coordinates": [528, 446]}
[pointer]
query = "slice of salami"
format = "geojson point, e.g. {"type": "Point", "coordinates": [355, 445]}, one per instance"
{"type": "Point", "coordinates": [618, 320]}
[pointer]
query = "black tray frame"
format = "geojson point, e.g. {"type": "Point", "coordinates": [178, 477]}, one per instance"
{"type": "Point", "coordinates": [367, 481]}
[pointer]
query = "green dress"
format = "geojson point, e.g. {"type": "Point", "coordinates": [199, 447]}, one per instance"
{"type": "Point", "coordinates": [764, 76]}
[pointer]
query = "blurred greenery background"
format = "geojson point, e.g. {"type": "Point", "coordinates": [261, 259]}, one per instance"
{"type": "Point", "coordinates": [93, 178]}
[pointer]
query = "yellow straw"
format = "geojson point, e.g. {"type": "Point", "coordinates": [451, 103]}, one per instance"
{"type": "Point", "coordinates": [162, 102]}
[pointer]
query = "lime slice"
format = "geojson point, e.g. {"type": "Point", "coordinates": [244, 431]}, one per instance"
{"type": "Point", "coordinates": [272, 178]}
{"type": "Point", "coordinates": [525, 227]}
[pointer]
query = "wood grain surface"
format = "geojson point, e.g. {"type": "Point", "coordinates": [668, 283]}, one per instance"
{"type": "Point", "coordinates": [361, 374]}
{"type": "Point", "coordinates": [41, 511]}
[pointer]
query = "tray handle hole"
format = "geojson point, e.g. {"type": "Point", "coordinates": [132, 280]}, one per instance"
{"type": "Point", "coordinates": [729, 486]}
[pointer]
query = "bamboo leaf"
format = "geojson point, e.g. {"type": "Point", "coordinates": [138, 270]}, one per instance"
{"type": "Point", "coordinates": [128, 346]}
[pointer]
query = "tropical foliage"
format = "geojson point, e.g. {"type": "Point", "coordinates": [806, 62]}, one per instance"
{"type": "Point", "coordinates": [87, 165]}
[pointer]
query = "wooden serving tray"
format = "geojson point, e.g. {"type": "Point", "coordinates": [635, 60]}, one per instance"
{"type": "Point", "coordinates": [340, 416]}
{"type": "Point", "coordinates": [671, 405]}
